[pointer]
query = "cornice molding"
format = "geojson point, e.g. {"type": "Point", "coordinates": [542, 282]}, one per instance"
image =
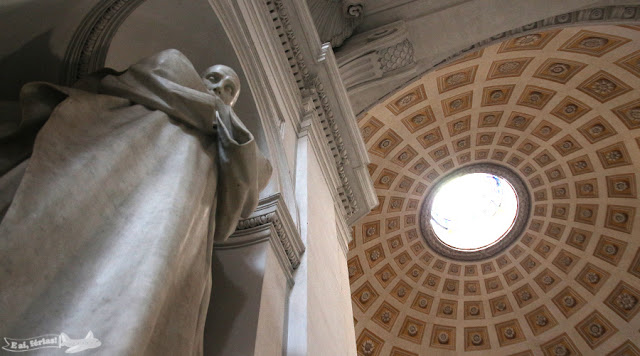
{"type": "Point", "coordinates": [89, 45]}
{"type": "Point", "coordinates": [316, 72]}
{"type": "Point", "coordinates": [270, 221]}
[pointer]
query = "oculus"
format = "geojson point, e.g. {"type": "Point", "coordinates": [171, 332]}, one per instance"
{"type": "Point", "coordinates": [475, 212]}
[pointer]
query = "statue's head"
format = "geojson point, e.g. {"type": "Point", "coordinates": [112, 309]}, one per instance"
{"type": "Point", "coordinates": [223, 82]}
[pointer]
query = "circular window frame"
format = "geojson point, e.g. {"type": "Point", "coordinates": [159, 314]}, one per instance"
{"type": "Point", "coordinates": [521, 220]}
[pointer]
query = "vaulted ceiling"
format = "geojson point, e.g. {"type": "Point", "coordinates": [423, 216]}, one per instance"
{"type": "Point", "coordinates": [562, 109]}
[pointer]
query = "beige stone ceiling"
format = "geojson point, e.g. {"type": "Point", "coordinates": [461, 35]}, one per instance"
{"type": "Point", "coordinates": [562, 109]}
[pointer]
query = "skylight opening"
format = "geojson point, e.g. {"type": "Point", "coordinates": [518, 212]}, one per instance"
{"type": "Point", "coordinates": [474, 211]}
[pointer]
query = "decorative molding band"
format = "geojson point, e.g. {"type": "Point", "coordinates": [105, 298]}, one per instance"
{"type": "Point", "coordinates": [89, 45]}
{"type": "Point", "coordinates": [310, 85]}
{"type": "Point", "coordinates": [594, 16]}
{"type": "Point", "coordinates": [615, 14]}
{"type": "Point", "coordinates": [335, 20]}
{"type": "Point", "coordinates": [272, 221]}
{"type": "Point", "coordinates": [372, 55]}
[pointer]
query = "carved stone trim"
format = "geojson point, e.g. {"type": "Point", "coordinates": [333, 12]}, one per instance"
{"type": "Point", "coordinates": [310, 85]}
{"type": "Point", "coordinates": [522, 217]}
{"type": "Point", "coordinates": [89, 45]}
{"type": "Point", "coordinates": [594, 16]}
{"type": "Point", "coordinates": [615, 14]}
{"type": "Point", "coordinates": [335, 20]}
{"type": "Point", "coordinates": [270, 220]}
{"type": "Point", "coordinates": [372, 55]}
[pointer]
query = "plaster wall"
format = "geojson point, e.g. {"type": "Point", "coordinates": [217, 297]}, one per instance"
{"type": "Point", "coordinates": [234, 309]}
{"type": "Point", "coordinates": [330, 321]}
{"type": "Point", "coordinates": [33, 40]}
{"type": "Point", "coordinates": [271, 331]}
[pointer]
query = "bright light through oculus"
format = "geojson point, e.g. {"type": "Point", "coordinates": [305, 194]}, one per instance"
{"type": "Point", "coordinates": [473, 211]}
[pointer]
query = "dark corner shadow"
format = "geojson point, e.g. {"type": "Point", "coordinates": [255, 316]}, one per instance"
{"type": "Point", "coordinates": [222, 313]}
{"type": "Point", "coordinates": [32, 62]}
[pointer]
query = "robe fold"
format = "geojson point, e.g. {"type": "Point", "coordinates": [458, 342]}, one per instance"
{"type": "Point", "coordinates": [109, 225]}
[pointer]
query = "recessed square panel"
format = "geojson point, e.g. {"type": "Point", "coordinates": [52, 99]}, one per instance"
{"type": "Point", "coordinates": [457, 104]}
{"type": "Point", "coordinates": [419, 166]}
{"type": "Point", "coordinates": [386, 316]}
{"type": "Point", "coordinates": [385, 275]}
{"type": "Point", "coordinates": [592, 278]}
{"type": "Point", "coordinates": [490, 119]}
{"type": "Point", "coordinates": [412, 329]}
{"type": "Point", "coordinates": [546, 280]}
{"type": "Point", "coordinates": [560, 345]}
{"type": "Point", "coordinates": [447, 309]}
{"type": "Point", "coordinates": [519, 121]}
{"type": "Point", "coordinates": [496, 95]}
{"type": "Point", "coordinates": [570, 109]}
{"type": "Point", "coordinates": [558, 70]}
{"type": "Point", "coordinates": [509, 332]}
{"type": "Point", "coordinates": [595, 329]}
{"type": "Point", "coordinates": [456, 79]}
{"type": "Point", "coordinates": [631, 63]}
{"type": "Point", "coordinates": [407, 100]}
{"type": "Point", "coordinates": [540, 320]}
{"type": "Point", "coordinates": [369, 343]}
{"type": "Point", "coordinates": [459, 125]}
{"type": "Point", "coordinates": [443, 337]}
{"type": "Point", "coordinates": [565, 261]}
{"type": "Point", "coordinates": [370, 128]}
{"type": "Point", "coordinates": [404, 156]}
{"type": "Point", "coordinates": [473, 310]}
{"type": "Point", "coordinates": [422, 303]}
{"type": "Point", "coordinates": [530, 41]}
{"type": "Point", "coordinates": [597, 129]}
{"type": "Point", "coordinates": [615, 155]}
{"type": "Point", "coordinates": [476, 338]}
{"type": "Point", "coordinates": [624, 300]}
{"type": "Point", "coordinates": [525, 295]}
{"type": "Point", "coordinates": [386, 143]}
{"type": "Point", "coordinates": [419, 119]}
{"type": "Point", "coordinates": [545, 130]}
{"type": "Point", "coordinates": [620, 218]}
{"type": "Point", "coordinates": [535, 97]}
{"type": "Point", "coordinates": [365, 296]}
{"type": "Point", "coordinates": [500, 306]}
{"type": "Point", "coordinates": [603, 86]}
{"type": "Point", "coordinates": [593, 43]}
{"type": "Point", "coordinates": [622, 186]}
{"type": "Point", "coordinates": [439, 153]}
{"type": "Point", "coordinates": [579, 238]}
{"type": "Point", "coordinates": [569, 301]}
{"type": "Point", "coordinates": [507, 139]}
{"type": "Point", "coordinates": [586, 213]}
{"type": "Point", "coordinates": [506, 68]}
{"type": "Point", "coordinates": [567, 145]}
{"type": "Point", "coordinates": [430, 138]}
{"type": "Point", "coordinates": [629, 114]}
{"type": "Point", "coordinates": [528, 147]}
{"type": "Point", "coordinates": [580, 165]}
{"type": "Point", "coordinates": [587, 188]}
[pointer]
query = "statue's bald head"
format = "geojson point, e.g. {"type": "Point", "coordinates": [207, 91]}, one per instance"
{"type": "Point", "coordinates": [222, 81]}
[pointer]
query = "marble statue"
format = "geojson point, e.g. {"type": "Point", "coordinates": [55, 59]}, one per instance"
{"type": "Point", "coordinates": [107, 222]}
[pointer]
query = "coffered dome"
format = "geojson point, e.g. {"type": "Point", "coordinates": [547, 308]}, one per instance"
{"type": "Point", "coordinates": [561, 110]}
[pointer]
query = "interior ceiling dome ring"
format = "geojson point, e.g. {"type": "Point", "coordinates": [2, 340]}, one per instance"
{"type": "Point", "coordinates": [520, 222]}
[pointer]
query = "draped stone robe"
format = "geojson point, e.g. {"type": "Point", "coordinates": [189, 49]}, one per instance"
{"type": "Point", "coordinates": [109, 225]}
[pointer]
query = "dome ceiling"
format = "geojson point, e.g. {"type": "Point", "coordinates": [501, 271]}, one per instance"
{"type": "Point", "coordinates": [560, 108]}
